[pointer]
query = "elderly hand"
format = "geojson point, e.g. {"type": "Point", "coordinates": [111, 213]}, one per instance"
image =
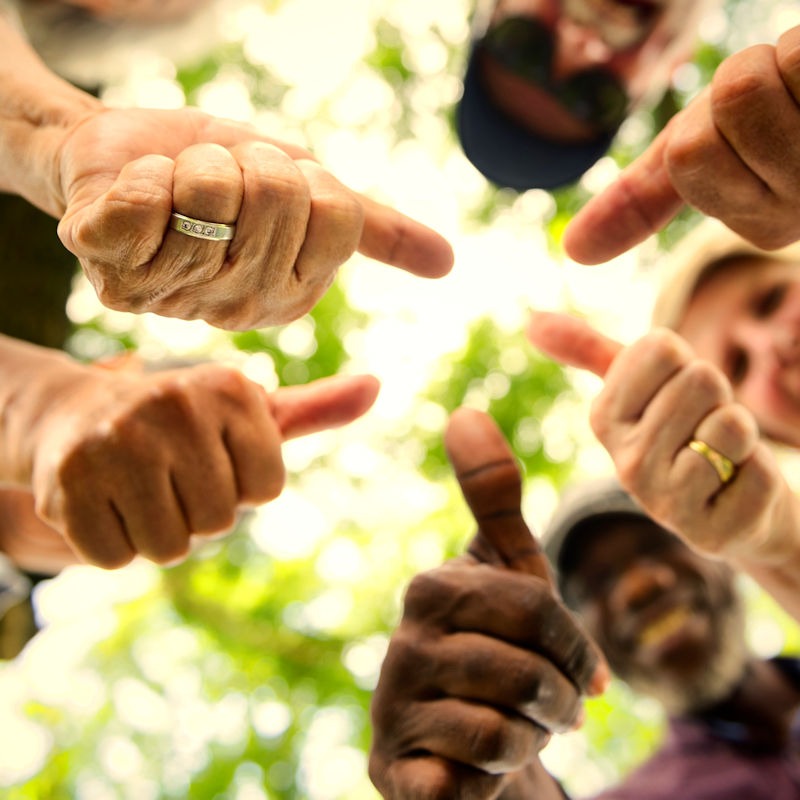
{"type": "Point", "coordinates": [732, 153]}
{"type": "Point", "coordinates": [486, 660]}
{"type": "Point", "coordinates": [128, 463]}
{"type": "Point", "coordinates": [122, 172]}
{"type": "Point", "coordinates": [657, 398]}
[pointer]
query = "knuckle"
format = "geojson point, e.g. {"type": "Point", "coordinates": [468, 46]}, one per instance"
{"type": "Point", "coordinates": [491, 743]}
{"type": "Point", "coordinates": [787, 54]}
{"type": "Point", "coordinates": [286, 188]}
{"type": "Point", "coordinates": [112, 232]}
{"type": "Point", "coordinates": [783, 232]}
{"type": "Point", "coordinates": [685, 151]}
{"type": "Point", "coordinates": [214, 518]}
{"type": "Point", "coordinates": [110, 561]}
{"type": "Point", "coordinates": [704, 379]}
{"type": "Point", "coordinates": [343, 213]}
{"type": "Point", "coordinates": [407, 655]}
{"type": "Point", "coordinates": [629, 465]}
{"type": "Point", "coordinates": [549, 708]}
{"type": "Point", "coordinates": [271, 486]}
{"type": "Point", "coordinates": [736, 84]}
{"type": "Point", "coordinates": [600, 417]}
{"type": "Point", "coordinates": [426, 594]}
{"type": "Point", "coordinates": [169, 400]}
{"type": "Point", "coordinates": [763, 474]}
{"type": "Point", "coordinates": [168, 551]}
{"type": "Point", "coordinates": [736, 423]}
{"type": "Point", "coordinates": [665, 348]}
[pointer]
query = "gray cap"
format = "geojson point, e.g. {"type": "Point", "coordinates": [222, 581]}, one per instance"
{"type": "Point", "coordinates": [579, 503]}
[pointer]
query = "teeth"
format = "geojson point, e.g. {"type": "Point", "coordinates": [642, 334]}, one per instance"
{"type": "Point", "coordinates": [664, 626]}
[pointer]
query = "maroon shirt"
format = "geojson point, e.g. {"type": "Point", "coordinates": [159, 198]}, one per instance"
{"type": "Point", "coordinates": [709, 758]}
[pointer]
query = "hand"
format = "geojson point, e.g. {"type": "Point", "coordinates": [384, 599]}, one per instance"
{"type": "Point", "coordinates": [657, 397]}
{"type": "Point", "coordinates": [486, 660]}
{"type": "Point", "coordinates": [123, 172]}
{"type": "Point", "coordinates": [130, 463]}
{"type": "Point", "coordinates": [732, 153]}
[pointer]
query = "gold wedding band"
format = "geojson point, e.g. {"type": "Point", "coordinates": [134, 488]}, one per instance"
{"type": "Point", "coordinates": [723, 466]}
{"type": "Point", "coordinates": [200, 229]}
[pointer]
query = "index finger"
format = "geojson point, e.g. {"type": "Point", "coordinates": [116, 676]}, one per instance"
{"type": "Point", "coordinates": [393, 238]}
{"type": "Point", "coordinates": [572, 341]}
{"type": "Point", "coordinates": [490, 480]}
{"type": "Point", "coordinates": [640, 202]}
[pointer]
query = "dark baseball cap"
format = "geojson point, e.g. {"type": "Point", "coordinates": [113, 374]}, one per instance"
{"type": "Point", "coordinates": [509, 154]}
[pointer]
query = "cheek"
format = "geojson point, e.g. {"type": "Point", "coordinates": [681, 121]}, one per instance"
{"type": "Point", "coordinates": [775, 407]}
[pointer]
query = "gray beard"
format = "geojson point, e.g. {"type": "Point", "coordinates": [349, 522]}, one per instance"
{"type": "Point", "coordinates": [709, 685]}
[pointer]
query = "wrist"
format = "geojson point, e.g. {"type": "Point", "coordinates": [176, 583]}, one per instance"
{"type": "Point", "coordinates": [38, 110]}
{"type": "Point", "coordinates": [34, 381]}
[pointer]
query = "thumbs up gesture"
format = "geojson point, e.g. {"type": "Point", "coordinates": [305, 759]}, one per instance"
{"type": "Point", "coordinates": [486, 662]}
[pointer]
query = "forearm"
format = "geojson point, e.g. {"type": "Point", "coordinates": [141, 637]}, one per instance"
{"type": "Point", "coordinates": [31, 379]}
{"type": "Point", "coordinates": [37, 110]}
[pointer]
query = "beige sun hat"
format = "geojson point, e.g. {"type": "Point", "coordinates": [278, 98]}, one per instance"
{"type": "Point", "coordinates": [708, 245]}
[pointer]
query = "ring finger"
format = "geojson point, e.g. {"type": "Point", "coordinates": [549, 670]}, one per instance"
{"type": "Point", "coordinates": [207, 186]}
{"type": "Point", "coordinates": [724, 438]}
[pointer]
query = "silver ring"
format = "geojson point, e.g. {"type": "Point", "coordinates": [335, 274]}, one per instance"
{"type": "Point", "coordinates": [200, 229]}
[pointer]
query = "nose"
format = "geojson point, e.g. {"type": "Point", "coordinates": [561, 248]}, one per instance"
{"type": "Point", "coordinates": [577, 48]}
{"type": "Point", "coordinates": [642, 582]}
{"type": "Point", "coordinates": [772, 341]}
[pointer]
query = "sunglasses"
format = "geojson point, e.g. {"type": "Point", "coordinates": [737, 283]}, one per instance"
{"type": "Point", "coordinates": [526, 47]}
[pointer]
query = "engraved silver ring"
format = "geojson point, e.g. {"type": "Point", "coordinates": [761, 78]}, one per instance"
{"type": "Point", "coordinates": [200, 229]}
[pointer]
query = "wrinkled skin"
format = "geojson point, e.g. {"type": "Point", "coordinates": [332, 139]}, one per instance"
{"type": "Point", "coordinates": [486, 661]}
{"type": "Point", "coordinates": [128, 463]}
{"type": "Point", "coordinates": [121, 172]}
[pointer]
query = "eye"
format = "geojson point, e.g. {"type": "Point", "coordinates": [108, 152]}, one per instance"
{"type": "Point", "coordinates": [737, 366]}
{"type": "Point", "coordinates": [770, 301]}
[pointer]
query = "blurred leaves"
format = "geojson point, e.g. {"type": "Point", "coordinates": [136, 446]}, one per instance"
{"type": "Point", "coordinates": [245, 672]}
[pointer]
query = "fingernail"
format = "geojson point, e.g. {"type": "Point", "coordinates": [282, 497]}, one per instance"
{"type": "Point", "coordinates": [600, 680]}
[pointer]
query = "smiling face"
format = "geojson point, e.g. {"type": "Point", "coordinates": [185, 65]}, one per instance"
{"type": "Point", "coordinates": [668, 620]}
{"type": "Point", "coordinates": [579, 66]}
{"type": "Point", "coordinates": [745, 318]}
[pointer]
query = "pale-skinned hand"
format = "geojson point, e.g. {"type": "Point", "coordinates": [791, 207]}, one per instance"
{"type": "Point", "coordinates": [486, 661]}
{"type": "Point", "coordinates": [732, 153]}
{"type": "Point", "coordinates": [121, 172]}
{"type": "Point", "coordinates": [129, 463]}
{"type": "Point", "coordinates": [658, 396]}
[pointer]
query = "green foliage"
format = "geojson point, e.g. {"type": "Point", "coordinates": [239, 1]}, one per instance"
{"type": "Point", "coordinates": [221, 677]}
{"type": "Point", "coordinates": [387, 57]}
{"type": "Point", "coordinates": [329, 322]}
{"type": "Point", "coordinates": [517, 388]}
